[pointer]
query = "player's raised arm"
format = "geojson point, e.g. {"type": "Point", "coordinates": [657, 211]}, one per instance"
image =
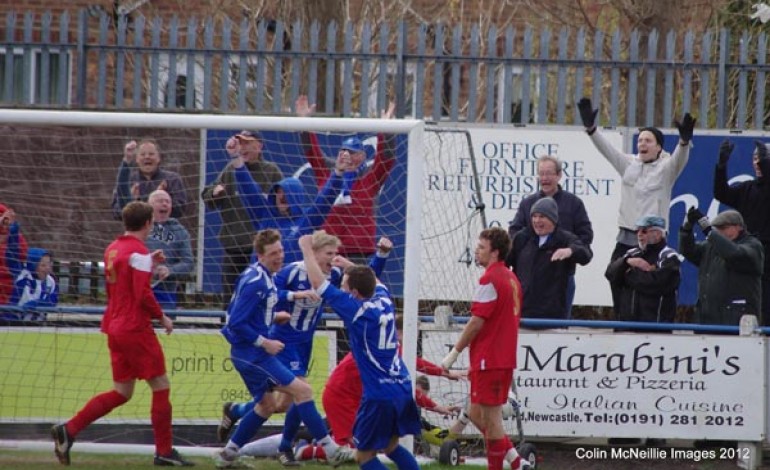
{"type": "Point", "coordinates": [314, 273]}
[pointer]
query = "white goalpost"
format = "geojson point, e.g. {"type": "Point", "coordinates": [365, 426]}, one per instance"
{"type": "Point", "coordinates": [411, 127]}
{"type": "Point", "coordinates": [59, 174]}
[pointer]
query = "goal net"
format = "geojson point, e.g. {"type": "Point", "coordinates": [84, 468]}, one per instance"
{"type": "Point", "coordinates": [61, 176]}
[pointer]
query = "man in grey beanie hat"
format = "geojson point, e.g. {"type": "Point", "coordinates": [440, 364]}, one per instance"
{"type": "Point", "coordinates": [572, 211]}
{"type": "Point", "coordinates": [543, 257]}
{"type": "Point", "coordinates": [546, 206]}
{"type": "Point", "coordinates": [729, 265]}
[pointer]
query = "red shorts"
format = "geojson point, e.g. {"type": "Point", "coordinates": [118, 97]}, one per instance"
{"type": "Point", "coordinates": [490, 387]}
{"type": "Point", "coordinates": [136, 356]}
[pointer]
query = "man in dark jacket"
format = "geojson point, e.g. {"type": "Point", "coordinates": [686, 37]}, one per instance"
{"type": "Point", "coordinates": [752, 199]}
{"type": "Point", "coordinates": [648, 275]}
{"type": "Point", "coordinates": [543, 257]}
{"type": "Point", "coordinates": [572, 212]}
{"type": "Point", "coordinates": [236, 233]}
{"type": "Point", "coordinates": [729, 269]}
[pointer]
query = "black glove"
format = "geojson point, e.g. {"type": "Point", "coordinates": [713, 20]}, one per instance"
{"type": "Point", "coordinates": [761, 149]}
{"type": "Point", "coordinates": [587, 113]}
{"type": "Point", "coordinates": [725, 150]}
{"type": "Point", "coordinates": [696, 217]}
{"type": "Point", "coordinates": [686, 127]}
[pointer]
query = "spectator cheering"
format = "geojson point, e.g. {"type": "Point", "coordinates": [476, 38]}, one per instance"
{"type": "Point", "coordinates": [34, 286]}
{"type": "Point", "coordinates": [173, 239]}
{"type": "Point", "coordinates": [647, 178]}
{"type": "Point", "coordinates": [752, 200]}
{"type": "Point", "coordinates": [352, 218]}
{"type": "Point", "coordinates": [286, 207]}
{"type": "Point", "coordinates": [729, 265]}
{"type": "Point", "coordinates": [140, 173]}
{"type": "Point", "coordinates": [544, 257]}
{"type": "Point", "coordinates": [647, 276]}
{"type": "Point", "coordinates": [13, 251]}
{"type": "Point", "coordinates": [236, 231]}
{"type": "Point", "coordinates": [572, 213]}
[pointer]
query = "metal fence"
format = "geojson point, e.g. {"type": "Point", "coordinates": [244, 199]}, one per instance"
{"type": "Point", "coordinates": [433, 72]}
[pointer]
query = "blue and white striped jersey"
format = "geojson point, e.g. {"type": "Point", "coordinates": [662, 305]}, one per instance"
{"type": "Point", "coordinates": [305, 313]}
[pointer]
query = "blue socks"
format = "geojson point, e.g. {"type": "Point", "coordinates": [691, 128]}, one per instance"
{"type": "Point", "coordinates": [247, 428]}
{"type": "Point", "coordinates": [403, 459]}
{"type": "Point", "coordinates": [309, 414]}
{"type": "Point", "coordinates": [373, 464]}
{"type": "Point", "coordinates": [290, 428]}
{"type": "Point", "coordinates": [239, 410]}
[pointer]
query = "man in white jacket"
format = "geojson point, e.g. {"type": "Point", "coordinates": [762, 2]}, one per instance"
{"type": "Point", "coordinates": [647, 177]}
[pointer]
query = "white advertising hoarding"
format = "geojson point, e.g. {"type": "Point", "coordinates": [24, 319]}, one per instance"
{"type": "Point", "coordinates": [629, 384]}
{"type": "Point", "coordinates": [506, 159]}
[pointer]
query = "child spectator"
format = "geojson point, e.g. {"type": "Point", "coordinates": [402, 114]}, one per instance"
{"type": "Point", "coordinates": [34, 287]}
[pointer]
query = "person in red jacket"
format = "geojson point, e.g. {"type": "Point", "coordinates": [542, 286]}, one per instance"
{"type": "Point", "coordinates": [352, 219]}
{"type": "Point", "coordinates": [135, 351]}
{"type": "Point", "coordinates": [9, 236]}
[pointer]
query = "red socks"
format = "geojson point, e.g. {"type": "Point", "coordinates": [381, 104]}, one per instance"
{"type": "Point", "coordinates": [160, 415]}
{"type": "Point", "coordinates": [496, 450]}
{"type": "Point", "coordinates": [101, 404]}
{"type": "Point", "coordinates": [98, 406]}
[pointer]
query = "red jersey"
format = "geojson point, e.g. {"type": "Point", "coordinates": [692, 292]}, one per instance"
{"type": "Point", "coordinates": [423, 400]}
{"type": "Point", "coordinates": [354, 223]}
{"type": "Point", "coordinates": [345, 381]}
{"type": "Point", "coordinates": [6, 278]}
{"type": "Point", "coordinates": [131, 305]}
{"type": "Point", "coordinates": [497, 300]}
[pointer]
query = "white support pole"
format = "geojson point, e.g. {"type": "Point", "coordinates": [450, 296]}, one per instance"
{"type": "Point", "coordinates": [201, 212]}
{"type": "Point", "coordinates": [412, 250]}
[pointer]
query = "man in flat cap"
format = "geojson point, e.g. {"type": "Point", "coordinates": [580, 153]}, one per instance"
{"type": "Point", "coordinates": [647, 275]}
{"type": "Point", "coordinates": [236, 233]}
{"type": "Point", "coordinates": [752, 199]}
{"type": "Point", "coordinates": [729, 265]}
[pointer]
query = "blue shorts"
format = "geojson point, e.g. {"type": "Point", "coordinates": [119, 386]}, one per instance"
{"type": "Point", "coordinates": [378, 421]}
{"type": "Point", "coordinates": [262, 374]}
{"type": "Point", "coordinates": [296, 357]}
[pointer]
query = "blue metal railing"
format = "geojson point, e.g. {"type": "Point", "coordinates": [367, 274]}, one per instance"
{"type": "Point", "coordinates": [533, 323]}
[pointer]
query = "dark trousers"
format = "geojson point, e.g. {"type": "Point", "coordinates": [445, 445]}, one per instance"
{"type": "Point", "coordinates": [620, 250]}
{"type": "Point", "coordinates": [765, 320]}
{"type": "Point", "coordinates": [234, 262]}
{"type": "Point", "coordinates": [570, 296]}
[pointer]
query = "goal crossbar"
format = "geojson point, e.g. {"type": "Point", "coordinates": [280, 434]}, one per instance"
{"type": "Point", "coordinates": [205, 121]}
{"type": "Point", "coordinates": [413, 128]}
